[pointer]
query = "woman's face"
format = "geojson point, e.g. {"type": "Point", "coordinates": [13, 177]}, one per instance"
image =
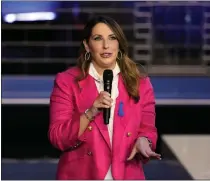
{"type": "Point", "coordinates": [103, 46]}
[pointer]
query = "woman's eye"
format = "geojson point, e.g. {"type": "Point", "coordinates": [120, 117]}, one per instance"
{"type": "Point", "coordinates": [97, 38]}
{"type": "Point", "coordinates": [113, 38]}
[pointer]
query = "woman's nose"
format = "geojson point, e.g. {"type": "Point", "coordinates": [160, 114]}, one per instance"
{"type": "Point", "coordinates": [106, 44]}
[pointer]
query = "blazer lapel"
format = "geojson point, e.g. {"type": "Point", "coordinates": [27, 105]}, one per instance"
{"type": "Point", "coordinates": [122, 115]}
{"type": "Point", "coordinates": [122, 106]}
{"type": "Point", "coordinates": [88, 91]}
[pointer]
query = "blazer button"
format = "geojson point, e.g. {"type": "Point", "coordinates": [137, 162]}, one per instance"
{"type": "Point", "coordinates": [128, 134]}
{"type": "Point", "coordinates": [90, 128]}
{"type": "Point", "coordinates": [89, 153]}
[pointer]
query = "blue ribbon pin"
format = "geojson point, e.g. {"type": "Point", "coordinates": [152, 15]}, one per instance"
{"type": "Point", "coordinates": [120, 111]}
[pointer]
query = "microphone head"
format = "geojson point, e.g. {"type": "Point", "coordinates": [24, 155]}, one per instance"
{"type": "Point", "coordinates": [108, 75]}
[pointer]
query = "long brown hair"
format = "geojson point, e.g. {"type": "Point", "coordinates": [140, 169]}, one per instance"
{"type": "Point", "coordinates": [129, 70]}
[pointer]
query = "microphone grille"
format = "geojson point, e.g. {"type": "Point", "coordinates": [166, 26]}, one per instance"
{"type": "Point", "coordinates": [108, 75]}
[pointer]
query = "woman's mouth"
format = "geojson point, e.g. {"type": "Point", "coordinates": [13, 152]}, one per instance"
{"type": "Point", "coordinates": [106, 55]}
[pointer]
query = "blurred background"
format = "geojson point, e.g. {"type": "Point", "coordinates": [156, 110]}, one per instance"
{"type": "Point", "coordinates": [170, 39]}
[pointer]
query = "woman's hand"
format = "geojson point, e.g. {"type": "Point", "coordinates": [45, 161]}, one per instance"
{"type": "Point", "coordinates": [142, 146]}
{"type": "Point", "coordinates": [103, 100]}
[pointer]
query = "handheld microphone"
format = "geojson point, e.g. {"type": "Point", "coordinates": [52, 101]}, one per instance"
{"type": "Point", "coordinates": [107, 78]}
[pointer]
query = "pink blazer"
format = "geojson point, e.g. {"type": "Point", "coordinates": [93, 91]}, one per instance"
{"type": "Point", "coordinates": [89, 156]}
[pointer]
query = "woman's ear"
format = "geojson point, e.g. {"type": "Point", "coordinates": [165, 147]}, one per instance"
{"type": "Point", "coordinates": [86, 46]}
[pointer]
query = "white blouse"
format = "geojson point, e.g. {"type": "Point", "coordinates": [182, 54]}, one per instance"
{"type": "Point", "coordinates": [114, 95]}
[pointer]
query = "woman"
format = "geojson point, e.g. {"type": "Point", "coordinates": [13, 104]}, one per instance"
{"type": "Point", "coordinates": [92, 149]}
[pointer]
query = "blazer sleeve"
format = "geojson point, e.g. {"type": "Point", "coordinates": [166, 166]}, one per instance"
{"type": "Point", "coordinates": [63, 131]}
{"type": "Point", "coordinates": [147, 126]}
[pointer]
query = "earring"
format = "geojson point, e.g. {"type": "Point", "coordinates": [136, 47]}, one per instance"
{"type": "Point", "coordinates": [87, 56]}
{"type": "Point", "coordinates": [121, 55]}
